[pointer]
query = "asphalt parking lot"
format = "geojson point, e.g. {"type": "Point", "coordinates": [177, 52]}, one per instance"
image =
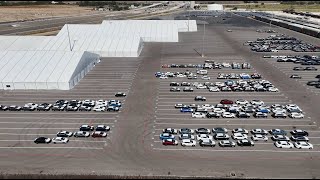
{"type": "Point", "coordinates": [169, 117]}
{"type": "Point", "coordinates": [20, 128]}
{"type": "Point", "coordinates": [287, 69]}
{"type": "Point", "coordinates": [134, 147]}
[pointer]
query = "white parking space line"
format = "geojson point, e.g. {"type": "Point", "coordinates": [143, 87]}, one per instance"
{"type": "Point", "coordinates": [237, 150]}
{"type": "Point", "coordinates": [52, 147]}
{"type": "Point", "coordinates": [226, 124]}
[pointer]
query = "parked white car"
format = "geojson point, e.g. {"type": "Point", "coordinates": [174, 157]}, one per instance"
{"type": "Point", "coordinates": [219, 84]}
{"type": "Point", "coordinates": [240, 130]}
{"type": "Point", "coordinates": [239, 136]}
{"type": "Point", "coordinates": [201, 86]}
{"type": "Point", "coordinates": [32, 105]}
{"type": "Point", "coordinates": [205, 77]}
{"type": "Point", "coordinates": [99, 108]}
{"type": "Point", "coordinates": [60, 140]}
{"type": "Point", "coordinates": [259, 137]}
{"type": "Point", "coordinates": [303, 145]}
{"type": "Point", "coordinates": [186, 136]}
{"type": "Point", "coordinates": [257, 102]}
{"type": "Point", "coordinates": [214, 89]}
{"type": "Point", "coordinates": [204, 136]}
{"type": "Point", "coordinates": [101, 102]}
{"type": "Point", "coordinates": [273, 89]}
{"type": "Point", "coordinates": [181, 75]}
{"type": "Point", "coordinates": [188, 142]}
{"type": "Point", "coordinates": [207, 106]}
{"type": "Point", "coordinates": [293, 106]}
{"type": "Point", "coordinates": [228, 115]}
{"type": "Point", "coordinates": [242, 102]}
{"type": "Point", "coordinates": [296, 115]}
{"type": "Point", "coordinates": [218, 110]}
{"type": "Point", "coordinates": [283, 144]}
{"type": "Point", "coordinates": [163, 77]}
{"type": "Point", "coordinates": [89, 102]}
{"type": "Point", "coordinates": [198, 115]}
{"type": "Point", "coordinates": [259, 131]}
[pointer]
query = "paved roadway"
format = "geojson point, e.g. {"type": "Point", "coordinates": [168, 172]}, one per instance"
{"type": "Point", "coordinates": [48, 24]}
{"type": "Point", "coordinates": [132, 148]}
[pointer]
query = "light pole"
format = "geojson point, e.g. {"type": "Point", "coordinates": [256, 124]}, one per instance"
{"type": "Point", "coordinates": [204, 33]}
{"type": "Point", "coordinates": [188, 21]}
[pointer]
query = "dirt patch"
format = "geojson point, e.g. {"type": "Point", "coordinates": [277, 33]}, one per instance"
{"type": "Point", "coordinates": [23, 13]}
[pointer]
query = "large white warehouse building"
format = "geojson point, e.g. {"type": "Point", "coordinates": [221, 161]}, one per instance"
{"type": "Point", "coordinates": [59, 62]}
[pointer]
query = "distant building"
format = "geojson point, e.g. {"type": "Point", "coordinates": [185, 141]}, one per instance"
{"type": "Point", "coordinates": [215, 7]}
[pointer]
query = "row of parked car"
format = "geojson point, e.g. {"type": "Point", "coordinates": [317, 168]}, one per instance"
{"type": "Point", "coordinates": [239, 76]}
{"type": "Point", "coordinates": [64, 105]}
{"type": "Point", "coordinates": [241, 109]}
{"type": "Point", "coordinates": [204, 137]}
{"type": "Point", "coordinates": [84, 131]}
{"type": "Point", "coordinates": [273, 43]}
{"type": "Point", "coordinates": [226, 86]}
{"type": "Point", "coordinates": [210, 64]}
{"type": "Point", "coordinates": [303, 60]}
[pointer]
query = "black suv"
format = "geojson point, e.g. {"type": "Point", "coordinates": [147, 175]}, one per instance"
{"type": "Point", "coordinates": [213, 115]}
{"type": "Point", "coordinates": [185, 84]}
{"type": "Point", "coordinates": [120, 94]}
{"type": "Point", "coordinates": [44, 107]}
{"type": "Point", "coordinates": [311, 69]}
{"type": "Point", "coordinates": [3, 108]}
{"type": "Point", "coordinates": [243, 115]}
{"type": "Point", "coordinates": [299, 132]}
{"type": "Point", "coordinates": [245, 142]}
{"type": "Point", "coordinates": [207, 142]}
{"type": "Point", "coordinates": [86, 128]}
{"type": "Point", "coordinates": [15, 108]}
{"type": "Point", "coordinates": [42, 140]}
{"type": "Point", "coordinates": [174, 84]}
{"type": "Point", "coordinates": [298, 69]}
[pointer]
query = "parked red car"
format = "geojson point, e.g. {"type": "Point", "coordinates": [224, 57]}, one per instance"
{"type": "Point", "coordinates": [226, 101]}
{"type": "Point", "coordinates": [99, 134]}
{"type": "Point", "coordinates": [169, 142]}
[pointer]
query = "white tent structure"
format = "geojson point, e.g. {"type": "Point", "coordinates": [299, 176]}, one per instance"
{"type": "Point", "coordinates": [59, 62]}
{"type": "Point", "coordinates": [44, 69]}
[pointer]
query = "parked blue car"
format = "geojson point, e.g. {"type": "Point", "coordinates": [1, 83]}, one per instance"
{"type": "Point", "coordinates": [166, 136]}
{"type": "Point", "coordinates": [278, 132]}
{"type": "Point", "coordinates": [115, 104]}
{"type": "Point", "coordinates": [158, 74]}
{"type": "Point", "coordinates": [186, 110]}
{"type": "Point", "coordinates": [263, 110]}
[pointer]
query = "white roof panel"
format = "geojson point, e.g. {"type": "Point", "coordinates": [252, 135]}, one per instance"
{"type": "Point", "coordinates": [19, 66]}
